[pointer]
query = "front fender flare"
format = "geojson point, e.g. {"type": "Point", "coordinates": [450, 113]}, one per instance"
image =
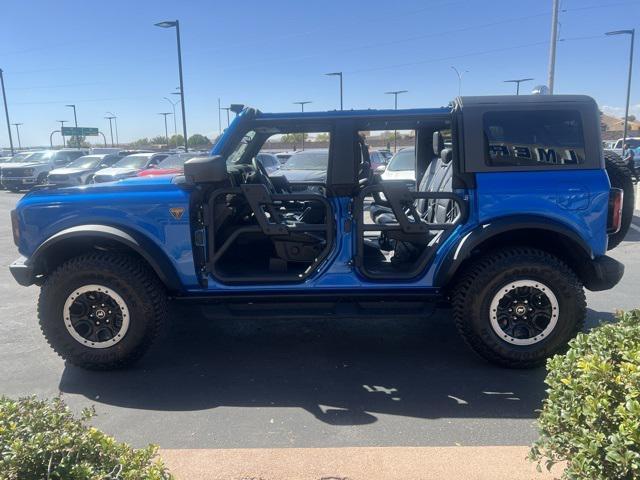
{"type": "Point", "coordinates": [142, 245]}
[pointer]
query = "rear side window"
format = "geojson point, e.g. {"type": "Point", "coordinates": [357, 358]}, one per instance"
{"type": "Point", "coordinates": [533, 138]}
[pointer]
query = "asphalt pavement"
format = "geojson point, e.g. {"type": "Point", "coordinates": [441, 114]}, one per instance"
{"type": "Point", "coordinates": [269, 383]}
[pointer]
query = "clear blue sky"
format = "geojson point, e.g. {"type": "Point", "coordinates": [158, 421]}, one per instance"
{"type": "Point", "coordinates": [108, 56]}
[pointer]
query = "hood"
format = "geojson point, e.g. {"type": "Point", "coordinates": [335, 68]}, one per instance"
{"type": "Point", "coordinates": [117, 171]}
{"type": "Point", "coordinates": [159, 171]}
{"type": "Point", "coordinates": [69, 171]}
{"type": "Point", "coordinates": [25, 164]}
{"type": "Point", "coordinates": [398, 175]}
{"type": "Point", "coordinates": [132, 184]}
{"type": "Point", "coordinates": [302, 175]}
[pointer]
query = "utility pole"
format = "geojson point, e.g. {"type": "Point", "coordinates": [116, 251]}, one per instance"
{"type": "Point", "coordinates": [632, 33]}
{"type": "Point", "coordinates": [6, 112]}
{"type": "Point", "coordinates": [110, 118]}
{"type": "Point", "coordinates": [553, 45]}
{"type": "Point", "coordinates": [62, 122]}
{"type": "Point", "coordinates": [219, 118]}
{"type": "Point", "coordinates": [18, 134]}
{"type": "Point", "coordinates": [75, 118]}
{"type": "Point", "coordinates": [395, 94]}
{"type": "Point", "coordinates": [459, 74]}
{"type": "Point", "coordinates": [115, 123]}
{"type": "Point", "coordinates": [227, 109]}
{"type": "Point", "coordinates": [518, 81]}
{"type": "Point", "coordinates": [175, 129]}
{"type": "Point", "coordinates": [302, 104]}
{"type": "Point", "coordinates": [166, 132]}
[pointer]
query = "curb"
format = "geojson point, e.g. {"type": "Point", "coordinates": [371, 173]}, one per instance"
{"type": "Point", "coordinates": [359, 463]}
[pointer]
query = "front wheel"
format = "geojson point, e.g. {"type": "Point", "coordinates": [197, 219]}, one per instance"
{"type": "Point", "coordinates": [102, 310]}
{"type": "Point", "coordinates": [516, 307]}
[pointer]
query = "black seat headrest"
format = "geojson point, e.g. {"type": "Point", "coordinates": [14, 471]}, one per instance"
{"type": "Point", "coordinates": [446, 155]}
{"type": "Point", "coordinates": [438, 143]}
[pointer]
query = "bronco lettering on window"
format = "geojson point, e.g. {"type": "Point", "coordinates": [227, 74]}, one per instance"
{"type": "Point", "coordinates": [535, 138]}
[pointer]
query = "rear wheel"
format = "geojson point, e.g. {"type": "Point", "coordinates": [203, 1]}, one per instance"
{"type": "Point", "coordinates": [102, 310]}
{"type": "Point", "coordinates": [518, 306]}
{"type": "Point", "coordinates": [621, 176]}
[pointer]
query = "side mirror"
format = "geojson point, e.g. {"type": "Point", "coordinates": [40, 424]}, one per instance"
{"type": "Point", "coordinates": [381, 169]}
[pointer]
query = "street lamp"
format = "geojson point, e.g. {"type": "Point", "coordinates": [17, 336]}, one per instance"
{"type": "Point", "coordinates": [75, 118]}
{"type": "Point", "coordinates": [227, 109]}
{"type": "Point", "coordinates": [166, 132]}
{"type": "Point", "coordinates": [115, 123]}
{"type": "Point", "coordinates": [459, 74]}
{"type": "Point", "coordinates": [6, 111]}
{"type": "Point", "coordinates": [62, 122]}
{"type": "Point", "coordinates": [518, 81]}
{"type": "Point", "coordinates": [176, 24]}
{"type": "Point", "coordinates": [337, 74]}
{"type": "Point", "coordinates": [631, 32]}
{"type": "Point", "coordinates": [18, 134]}
{"type": "Point", "coordinates": [395, 94]}
{"type": "Point", "coordinates": [302, 104]}
{"type": "Point", "coordinates": [175, 129]}
{"type": "Point", "coordinates": [110, 118]}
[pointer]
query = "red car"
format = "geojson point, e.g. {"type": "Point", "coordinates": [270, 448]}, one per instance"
{"type": "Point", "coordinates": [171, 165]}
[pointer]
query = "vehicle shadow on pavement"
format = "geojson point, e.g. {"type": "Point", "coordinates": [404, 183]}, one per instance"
{"type": "Point", "coordinates": [344, 372]}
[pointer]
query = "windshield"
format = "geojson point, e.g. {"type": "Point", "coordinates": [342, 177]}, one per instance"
{"type": "Point", "coordinates": [21, 157]}
{"type": "Point", "coordinates": [39, 157]}
{"type": "Point", "coordinates": [133, 161]}
{"type": "Point", "coordinates": [403, 160]}
{"type": "Point", "coordinates": [309, 160]}
{"type": "Point", "coordinates": [88, 161]}
{"type": "Point", "coordinates": [176, 161]}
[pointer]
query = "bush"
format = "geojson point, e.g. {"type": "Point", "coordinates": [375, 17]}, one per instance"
{"type": "Point", "coordinates": [591, 417]}
{"type": "Point", "coordinates": [43, 440]}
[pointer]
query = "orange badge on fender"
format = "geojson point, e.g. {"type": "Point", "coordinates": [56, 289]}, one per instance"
{"type": "Point", "coordinates": [176, 212]}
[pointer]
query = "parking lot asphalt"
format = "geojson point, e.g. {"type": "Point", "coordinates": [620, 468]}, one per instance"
{"type": "Point", "coordinates": [258, 383]}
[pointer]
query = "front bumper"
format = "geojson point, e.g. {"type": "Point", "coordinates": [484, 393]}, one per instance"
{"type": "Point", "coordinates": [602, 273]}
{"type": "Point", "coordinates": [16, 182]}
{"type": "Point", "coordinates": [22, 272]}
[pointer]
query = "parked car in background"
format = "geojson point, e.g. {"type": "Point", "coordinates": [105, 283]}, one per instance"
{"type": "Point", "coordinates": [269, 161]}
{"type": "Point", "coordinates": [306, 166]}
{"type": "Point", "coordinates": [283, 156]}
{"type": "Point", "coordinates": [170, 165]}
{"type": "Point", "coordinates": [633, 142]}
{"type": "Point", "coordinates": [81, 170]}
{"type": "Point", "coordinates": [402, 166]}
{"type": "Point", "coordinates": [129, 166]}
{"type": "Point", "coordinates": [35, 167]}
{"type": "Point", "coordinates": [377, 158]}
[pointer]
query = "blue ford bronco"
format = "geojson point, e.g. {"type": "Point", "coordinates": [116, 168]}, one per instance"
{"type": "Point", "coordinates": [509, 219]}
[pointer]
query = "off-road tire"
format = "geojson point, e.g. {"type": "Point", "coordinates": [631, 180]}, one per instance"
{"type": "Point", "coordinates": [621, 176]}
{"type": "Point", "coordinates": [137, 285]}
{"type": "Point", "coordinates": [481, 280]}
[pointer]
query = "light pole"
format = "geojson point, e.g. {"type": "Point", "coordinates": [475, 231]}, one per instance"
{"type": "Point", "coordinates": [175, 129]}
{"type": "Point", "coordinates": [631, 32]}
{"type": "Point", "coordinates": [302, 104]}
{"type": "Point", "coordinates": [337, 74]}
{"type": "Point", "coordinates": [62, 122]}
{"type": "Point", "coordinates": [110, 118]}
{"type": "Point", "coordinates": [552, 46]}
{"type": "Point", "coordinates": [395, 94]}
{"type": "Point", "coordinates": [6, 112]}
{"type": "Point", "coordinates": [18, 134]}
{"type": "Point", "coordinates": [459, 74]}
{"type": "Point", "coordinates": [75, 118]}
{"type": "Point", "coordinates": [176, 24]}
{"type": "Point", "coordinates": [518, 81]}
{"type": "Point", "coordinates": [219, 118]}
{"type": "Point", "coordinates": [227, 109]}
{"type": "Point", "coordinates": [166, 132]}
{"type": "Point", "coordinates": [115, 123]}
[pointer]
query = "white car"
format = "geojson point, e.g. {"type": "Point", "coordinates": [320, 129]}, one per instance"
{"type": "Point", "coordinates": [402, 166]}
{"type": "Point", "coordinates": [129, 166]}
{"type": "Point", "coordinates": [81, 170]}
{"type": "Point", "coordinates": [34, 168]}
{"type": "Point", "coordinates": [633, 142]}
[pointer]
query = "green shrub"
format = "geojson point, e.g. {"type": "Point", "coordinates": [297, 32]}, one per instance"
{"type": "Point", "coordinates": [43, 440]}
{"type": "Point", "coordinates": [591, 417]}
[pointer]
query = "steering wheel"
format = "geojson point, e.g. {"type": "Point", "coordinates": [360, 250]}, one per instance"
{"type": "Point", "coordinates": [265, 180]}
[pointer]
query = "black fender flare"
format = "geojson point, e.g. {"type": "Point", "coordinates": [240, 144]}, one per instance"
{"type": "Point", "coordinates": [463, 249]}
{"type": "Point", "coordinates": [143, 246]}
